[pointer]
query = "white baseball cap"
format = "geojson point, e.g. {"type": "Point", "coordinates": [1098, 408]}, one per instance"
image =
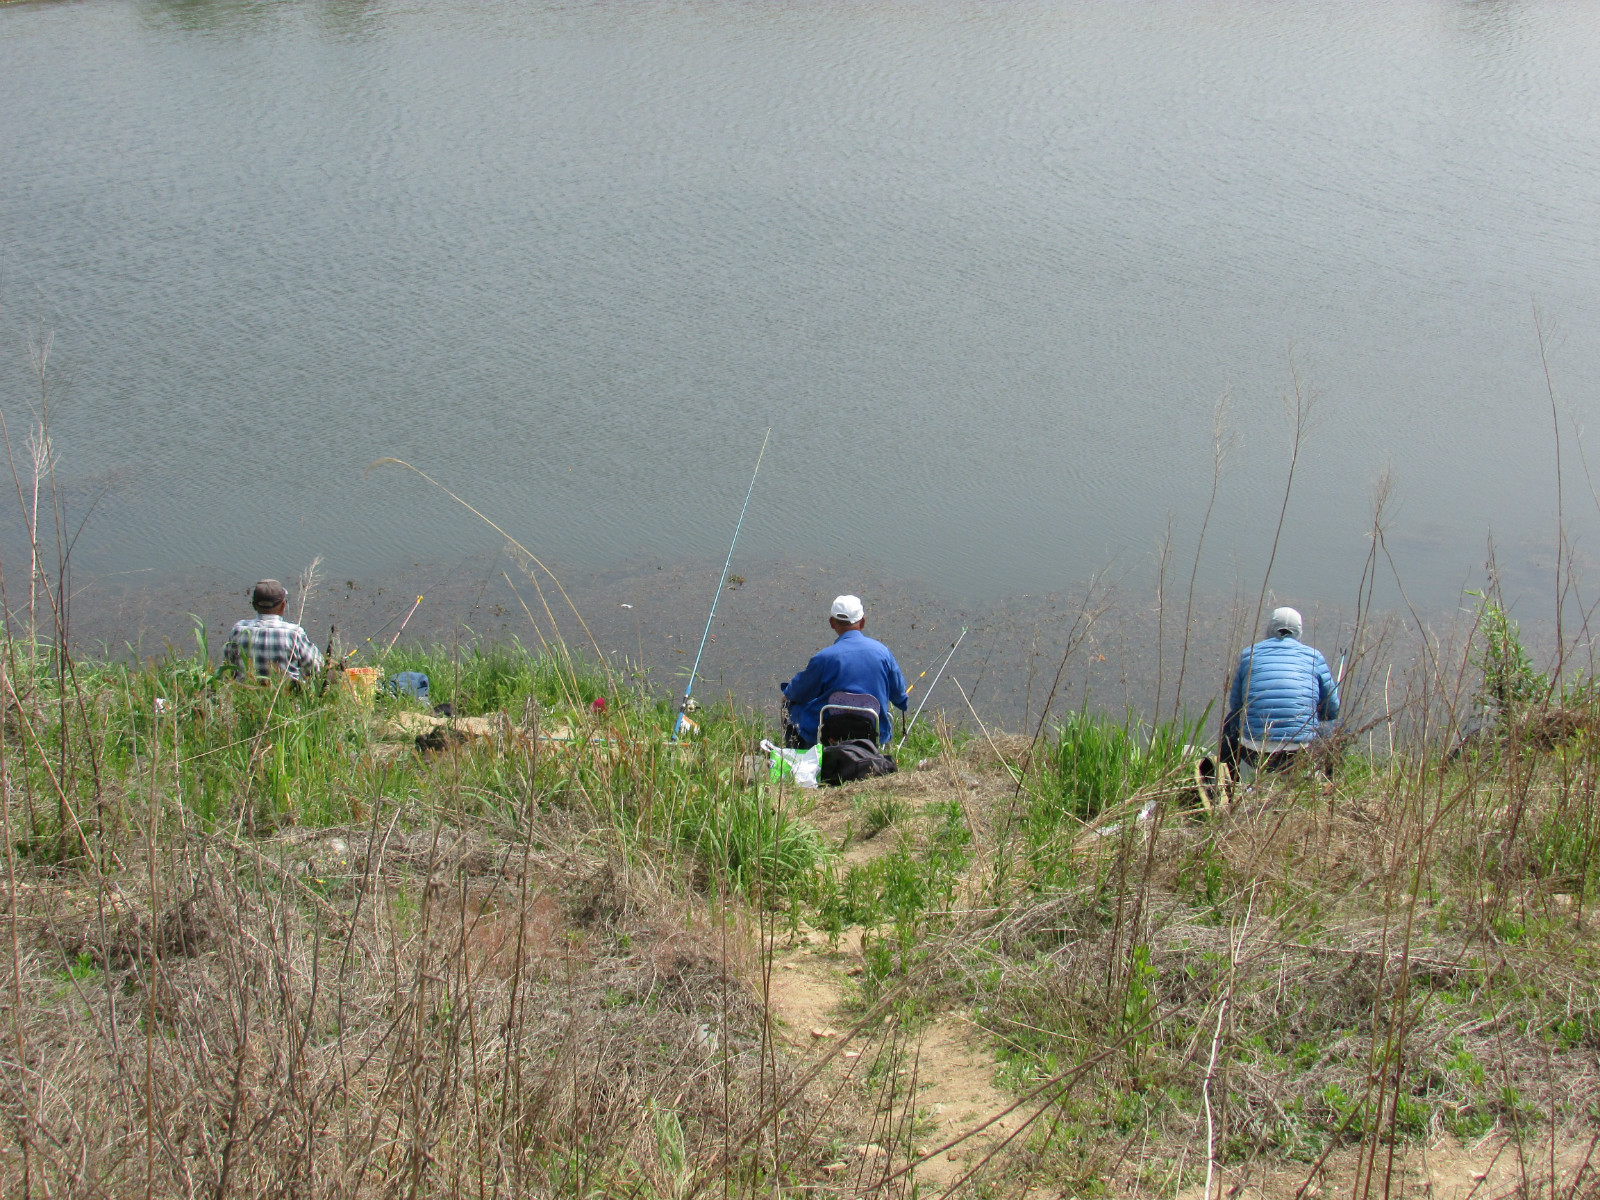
{"type": "Point", "coordinates": [848, 609]}
{"type": "Point", "coordinates": [1284, 621]}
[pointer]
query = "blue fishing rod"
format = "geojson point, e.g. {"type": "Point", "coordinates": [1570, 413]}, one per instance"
{"type": "Point", "coordinates": [694, 672]}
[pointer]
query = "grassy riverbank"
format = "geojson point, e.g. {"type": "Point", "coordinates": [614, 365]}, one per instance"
{"type": "Point", "coordinates": [256, 942]}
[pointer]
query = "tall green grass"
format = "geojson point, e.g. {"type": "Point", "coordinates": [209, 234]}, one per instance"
{"type": "Point", "coordinates": [1092, 762]}
{"type": "Point", "coordinates": [1090, 765]}
{"type": "Point", "coordinates": [245, 758]}
{"type": "Point", "coordinates": [501, 677]}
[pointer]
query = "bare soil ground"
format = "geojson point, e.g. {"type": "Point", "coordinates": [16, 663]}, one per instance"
{"type": "Point", "coordinates": [812, 984]}
{"type": "Point", "coordinates": [815, 997]}
{"type": "Point", "coordinates": [1493, 1168]}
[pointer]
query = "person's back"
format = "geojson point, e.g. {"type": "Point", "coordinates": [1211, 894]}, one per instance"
{"type": "Point", "coordinates": [1282, 691]}
{"type": "Point", "coordinates": [853, 663]}
{"type": "Point", "coordinates": [266, 642]}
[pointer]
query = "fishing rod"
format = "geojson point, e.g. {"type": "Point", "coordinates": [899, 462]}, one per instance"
{"type": "Point", "coordinates": [912, 686]}
{"type": "Point", "coordinates": [931, 686]}
{"type": "Point", "coordinates": [694, 671]}
{"type": "Point", "coordinates": [357, 650]}
{"type": "Point", "coordinates": [403, 625]}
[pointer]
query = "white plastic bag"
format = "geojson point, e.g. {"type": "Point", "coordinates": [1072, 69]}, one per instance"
{"type": "Point", "coordinates": [802, 766]}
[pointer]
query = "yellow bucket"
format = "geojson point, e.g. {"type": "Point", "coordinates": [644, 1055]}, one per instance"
{"type": "Point", "coordinates": [360, 683]}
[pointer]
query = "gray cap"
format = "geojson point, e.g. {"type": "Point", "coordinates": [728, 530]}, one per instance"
{"type": "Point", "coordinates": [1284, 622]}
{"type": "Point", "coordinates": [267, 593]}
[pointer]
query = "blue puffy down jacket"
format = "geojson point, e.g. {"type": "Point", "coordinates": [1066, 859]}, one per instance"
{"type": "Point", "coordinates": [1281, 689]}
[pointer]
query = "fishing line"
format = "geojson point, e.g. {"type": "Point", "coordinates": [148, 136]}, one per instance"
{"type": "Point", "coordinates": [932, 685]}
{"type": "Point", "coordinates": [381, 628]}
{"type": "Point", "coordinates": [694, 671]}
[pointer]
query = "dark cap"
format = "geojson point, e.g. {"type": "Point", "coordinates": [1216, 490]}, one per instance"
{"type": "Point", "coordinates": [267, 593]}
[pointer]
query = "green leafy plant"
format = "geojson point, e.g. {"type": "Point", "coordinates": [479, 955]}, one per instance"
{"type": "Point", "coordinates": [879, 811]}
{"type": "Point", "coordinates": [1510, 682]}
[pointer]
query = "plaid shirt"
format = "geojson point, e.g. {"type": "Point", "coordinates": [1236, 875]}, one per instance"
{"type": "Point", "coordinates": [258, 645]}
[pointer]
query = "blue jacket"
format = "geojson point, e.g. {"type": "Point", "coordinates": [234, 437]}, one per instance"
{"type": "Point", "coordinates": [854, 663]}
{"type": "Point", "coordinates": [1281, 689]}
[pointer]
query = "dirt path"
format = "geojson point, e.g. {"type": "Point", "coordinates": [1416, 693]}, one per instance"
{"type": "Point", "coordinates": [957, 1071]}
{"type": "Point", "coordinates": [814, 997]}
{"type": "Point", "coordinates": [1490, 1169]}
{"type": "Point", "coordinates": [811, 982]}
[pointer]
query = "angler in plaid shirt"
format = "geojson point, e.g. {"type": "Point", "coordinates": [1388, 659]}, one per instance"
{"type": "Point", "coordinates": [266, 642]}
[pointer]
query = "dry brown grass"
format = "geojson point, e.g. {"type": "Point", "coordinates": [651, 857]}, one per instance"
{"type": "Point", "coordinates": [379, 1012]}
{"type": "Point", "coordinates": [1400, 960]}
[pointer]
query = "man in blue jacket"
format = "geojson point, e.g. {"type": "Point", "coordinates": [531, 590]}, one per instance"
{"type": "Point", "coordinates": [1282, 691]}
{"type": "Point", "coordinates": [854, 663]}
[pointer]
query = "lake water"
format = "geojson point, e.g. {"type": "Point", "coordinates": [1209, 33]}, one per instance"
{"type": "Point", "coordinates": [983, 269]}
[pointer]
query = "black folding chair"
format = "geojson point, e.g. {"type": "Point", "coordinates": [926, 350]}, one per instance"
{"type": "Point", "coordinates": [847, 716]}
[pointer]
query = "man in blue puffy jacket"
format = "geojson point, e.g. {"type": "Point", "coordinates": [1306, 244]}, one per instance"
{"type": "Point", "coordinates": [1282, 691]}
{"type": "Point", "coordinates": [854, 663]}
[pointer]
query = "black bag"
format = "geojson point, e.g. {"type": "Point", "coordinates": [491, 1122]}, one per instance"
{"type": "Point", "coordinates": [857, 758]}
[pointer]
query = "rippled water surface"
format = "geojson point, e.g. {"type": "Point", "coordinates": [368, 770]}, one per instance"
{"type": "Point", "coordinates": [984, 270]}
